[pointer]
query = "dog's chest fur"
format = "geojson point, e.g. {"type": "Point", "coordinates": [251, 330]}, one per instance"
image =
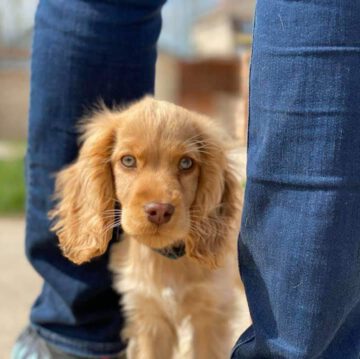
{"type": "Point", "coordinates": [175, 286]}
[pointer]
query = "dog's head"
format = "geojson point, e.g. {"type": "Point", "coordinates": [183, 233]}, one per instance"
{"type": "Point", "coordinates": [168, 169]}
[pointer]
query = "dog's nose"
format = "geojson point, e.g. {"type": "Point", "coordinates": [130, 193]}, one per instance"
{"type": "Point", "coordinates": [159, 213]}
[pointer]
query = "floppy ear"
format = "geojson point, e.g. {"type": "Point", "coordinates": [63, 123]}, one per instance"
{"type": "Point", "coordinates": [85, 194]}
{"type": "Point", "coordinates": [216, 206]}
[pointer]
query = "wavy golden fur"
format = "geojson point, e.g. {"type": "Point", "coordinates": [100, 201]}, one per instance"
{"type": "Point", "coordinates": [158, 293]}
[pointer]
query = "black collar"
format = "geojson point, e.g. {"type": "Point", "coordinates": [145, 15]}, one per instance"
{"type": "Point", "coordinates": [172, 252]}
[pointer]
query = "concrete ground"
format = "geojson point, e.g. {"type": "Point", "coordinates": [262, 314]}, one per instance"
{"type": "Point", "coordinates": [19, 283]}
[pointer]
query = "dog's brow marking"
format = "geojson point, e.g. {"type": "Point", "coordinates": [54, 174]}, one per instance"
{"type": "Point", "coordinates": [191, 138]}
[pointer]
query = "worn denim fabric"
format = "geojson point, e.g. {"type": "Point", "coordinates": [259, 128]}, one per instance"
{"type": "Point", "coordinates": [299, 245]}
{"type": "Point", "coordinates": [82, 51]}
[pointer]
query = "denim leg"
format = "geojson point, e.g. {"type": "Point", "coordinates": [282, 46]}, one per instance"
{"type": "Point", "coordinates": [299, 247]}
{"type": "Point", "coordinates": [82, 51]}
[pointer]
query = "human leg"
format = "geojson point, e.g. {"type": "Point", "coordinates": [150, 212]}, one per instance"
{"type": "Point", "coordinates": [299, 246]}
{"type": "Point", "coordinates": [82, 51]}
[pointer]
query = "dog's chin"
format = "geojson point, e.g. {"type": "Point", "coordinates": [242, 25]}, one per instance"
{"type": "Point", "coordinates": [155, 237]}
{"type": "Point", "coordinates": [156, 242]}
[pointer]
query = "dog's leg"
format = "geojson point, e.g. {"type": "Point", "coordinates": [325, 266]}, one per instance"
{"type": "Point", "coordinates": [210, 318]}
{"type": "Point", "coordinates": [211, 336]}
{"type": "Point", "coordinates": [151, 333]}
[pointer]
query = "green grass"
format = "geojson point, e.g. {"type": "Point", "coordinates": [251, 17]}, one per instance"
{"type": "Point", "coordinates": [12, 187]}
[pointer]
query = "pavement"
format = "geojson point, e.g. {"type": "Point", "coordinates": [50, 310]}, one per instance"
{"type": "Point", "coordinates": [19, 283]}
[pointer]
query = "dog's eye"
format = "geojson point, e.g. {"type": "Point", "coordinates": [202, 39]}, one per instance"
{"type": "Point", "coordinates": [186, 163]}
{"type": "Point", "coordinates": [128, 161]}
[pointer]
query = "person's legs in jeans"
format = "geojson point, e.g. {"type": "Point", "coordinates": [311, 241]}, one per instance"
{"type": "Point", "coordinates": [299, 248]}
{"type": "Point", "coordinates": [83, 51]}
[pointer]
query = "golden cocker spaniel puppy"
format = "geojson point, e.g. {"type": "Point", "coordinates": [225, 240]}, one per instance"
{"type": "Point", "coordinates": [168, 170]}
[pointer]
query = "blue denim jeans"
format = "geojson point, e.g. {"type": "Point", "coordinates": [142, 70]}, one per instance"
{"type": "Point", "coordinates": [82, 51]}
{"type": "Point", "coordinates": [299, 246]}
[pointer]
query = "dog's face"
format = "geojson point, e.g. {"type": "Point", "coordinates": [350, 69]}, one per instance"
{"type": "Point", "coordinates": [156, 165]}
{"type": "Point", "coordinates": [166, 167]}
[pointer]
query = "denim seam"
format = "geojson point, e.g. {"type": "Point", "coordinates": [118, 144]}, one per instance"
{"type": "Point", "coordinates": [78, 345]}
{"type": "Point", "coordinates": [247, 336]}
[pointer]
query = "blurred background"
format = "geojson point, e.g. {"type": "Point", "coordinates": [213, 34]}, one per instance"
{"type": "Point", "coordinates": [203, 64]}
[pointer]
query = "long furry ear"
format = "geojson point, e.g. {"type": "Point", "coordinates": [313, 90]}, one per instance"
{"type": "Point", "coordinates": [216, 208]}
{"type": "Point", "coordinates": [85, 194]}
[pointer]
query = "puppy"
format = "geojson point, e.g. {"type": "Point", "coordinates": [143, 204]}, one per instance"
{"type": "Point", "coordinates": [168, 172]}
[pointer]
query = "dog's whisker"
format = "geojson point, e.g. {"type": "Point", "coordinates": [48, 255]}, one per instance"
{"type": "Point", "coordinates": [108, 215]}
{"type": "Point", "coordinates": [111, 215]}
{"type": "Point", "coordinates": [112, 226]}
{"type": "Point", "coordinates": [197, 150]}
{"type": "Point", "coordinates": [190, 139]}
{"type": "Point", "coordinates": [203, 150]}
{"type": "Point", "coordinates": [112, 212]}
{"type": "Point", "coordinates": [203, 144]}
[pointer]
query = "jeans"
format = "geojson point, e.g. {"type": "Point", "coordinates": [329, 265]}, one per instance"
{"type": "Point", "coordinates": [83, 51]}
{"type": "Point", "coordinates": [299, 246]}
